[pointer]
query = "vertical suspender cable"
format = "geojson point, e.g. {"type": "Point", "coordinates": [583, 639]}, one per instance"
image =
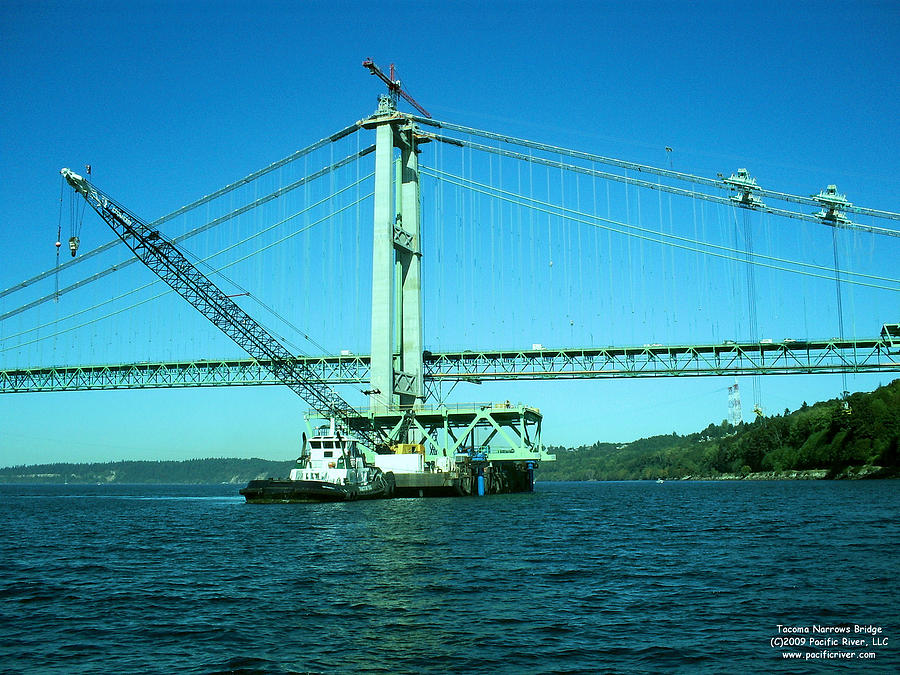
{"type": "Point", "coordinates": [62, 185]}
{"type": "Point", "coordinates": [501, 272]}
{"type": "Point", "coordinates": [751, 305]}
{"type": "Point", "coordinates": [672, 259]}
{"type": "Point", "coordinates": [840, 309]}
{"type": "Point", "coordinates": [549, 232]}
{"type": "Point", "coordinates": [357, 236]}
{"type": "Point", "coordinates": [518, 262]}
{"type": "Point", "coordinates": [609, 264]}
{"type": "Point", "coordinates": [850, 265]}
{"type": "Point", "coordinates": [705, 280]}
{"type": "Point", "coordinates": [596, 262]}
{"type": "Point", "coordinates": [532, 259]}
{"type": "Point", "coordinates": [566, 246]}
{"type": "Point", "coordinates": [663, 277]}
{"type": "Point", "coordinates": [492, 234]}
{"type": "Point", "coordinates": [641, 269]}
{"type": "Point", "coordinates": [579, 280]}
{"type": "Point", "coordinates": [630, 262]}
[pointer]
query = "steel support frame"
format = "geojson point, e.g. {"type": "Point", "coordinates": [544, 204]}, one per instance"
{"type": "Point", "coordinates": [502, 431]}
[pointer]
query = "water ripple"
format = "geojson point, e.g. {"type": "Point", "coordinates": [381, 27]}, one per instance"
{"type": "Point", "coordinates": [595, 577]}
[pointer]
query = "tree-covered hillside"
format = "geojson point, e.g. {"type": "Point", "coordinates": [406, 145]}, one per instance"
{"type": "Point", "coordinates": [823, 436]}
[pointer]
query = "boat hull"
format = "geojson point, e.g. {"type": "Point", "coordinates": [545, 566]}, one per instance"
{"type": "Point", "coordinates": [283, 491]}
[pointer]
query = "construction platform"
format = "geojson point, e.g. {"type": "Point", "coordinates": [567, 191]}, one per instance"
{"type": "Point", "coordinates": [455, 449]}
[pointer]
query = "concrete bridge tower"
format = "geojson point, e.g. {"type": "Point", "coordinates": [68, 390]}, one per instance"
{"type": "Point", "coordinates": [396, 369]}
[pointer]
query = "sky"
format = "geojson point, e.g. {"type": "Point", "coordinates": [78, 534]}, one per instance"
{"type": "Point", "coordinates": [169, 101]}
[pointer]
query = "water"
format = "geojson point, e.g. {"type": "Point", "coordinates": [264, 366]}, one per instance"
{"type": "Point", "coordinates": [578, 577]}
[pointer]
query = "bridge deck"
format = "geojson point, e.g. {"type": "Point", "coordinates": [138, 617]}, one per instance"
{"type": "Point", "coordinates": [788, 357]}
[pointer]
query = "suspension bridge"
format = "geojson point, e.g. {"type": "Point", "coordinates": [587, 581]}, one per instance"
{"type": "Point", "coordinates": [441, 254]}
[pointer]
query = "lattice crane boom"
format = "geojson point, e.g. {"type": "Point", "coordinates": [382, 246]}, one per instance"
{"type": "Point", "coordinates": [170, 265]}
{"type": "Point", "coordinates": [393, 85]}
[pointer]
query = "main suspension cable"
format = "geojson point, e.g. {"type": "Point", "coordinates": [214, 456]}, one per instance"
{"type": "Point", "coordinates": [207, 258]}
{"type": "Point", "coordinates": [193, 205]}
{"type": "Point", "coordinates": [588, 219]}
{"type": "Point", "coordinates": [168, 291]}
{"type": "Point", "coordinates": [187, 235]}
{"type": "Point", "coordinates": [645, 168]}
{"type": "Point", "coordinates": [845, 224]}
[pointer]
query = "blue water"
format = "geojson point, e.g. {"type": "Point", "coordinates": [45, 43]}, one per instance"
{"type": "Point", "coordinates": [577, 577]}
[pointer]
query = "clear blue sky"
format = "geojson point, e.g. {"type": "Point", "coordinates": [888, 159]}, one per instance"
{"type": "Point", "coordinates": [169, 101]}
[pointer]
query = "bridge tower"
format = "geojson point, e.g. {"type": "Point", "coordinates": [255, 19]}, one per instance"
{"type": "Point", "coordinates": [396, 368]}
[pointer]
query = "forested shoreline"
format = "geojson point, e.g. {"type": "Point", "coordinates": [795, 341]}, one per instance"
{"type": "Point", "coordinates": [824, 440]}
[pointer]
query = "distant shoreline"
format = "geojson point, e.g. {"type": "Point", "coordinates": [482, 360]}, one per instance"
{"type": "Point", "coordinates": [101, 474]}
{"type": "Point", "coordinates": [209, 471]}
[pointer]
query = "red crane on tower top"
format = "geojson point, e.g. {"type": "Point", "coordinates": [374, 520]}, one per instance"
{"type": "Point", "coordinates": [393, 85]}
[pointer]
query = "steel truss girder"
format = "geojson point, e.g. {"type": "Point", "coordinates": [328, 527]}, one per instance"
{"type": "Point", "coordinates": [831, 356]}
{"type": "Point", "coordinates": [791, 358]}
{"type": "Point", "coordinates": [213, 373]}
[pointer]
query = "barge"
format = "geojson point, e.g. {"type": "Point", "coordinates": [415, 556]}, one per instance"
{"type": "Point", "coordinates": [455, 450]}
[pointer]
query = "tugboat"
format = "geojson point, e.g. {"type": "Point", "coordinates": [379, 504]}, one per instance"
{"type": "Point", "coordinates": [331, 469]}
